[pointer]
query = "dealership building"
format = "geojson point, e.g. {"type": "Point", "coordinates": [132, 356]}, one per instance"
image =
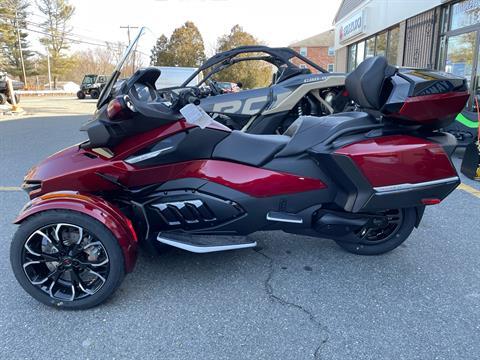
{"type": "Point", "coordinates": [433, 34]}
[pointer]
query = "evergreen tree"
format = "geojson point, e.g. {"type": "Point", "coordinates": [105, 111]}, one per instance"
{"type": "Point", "coordinates": [13, 16]}
{"type": "Point", "coordinates": [160, 56]}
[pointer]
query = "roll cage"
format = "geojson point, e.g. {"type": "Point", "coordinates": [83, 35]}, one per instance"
{"type": "Point", "coordinates": [279, 57]}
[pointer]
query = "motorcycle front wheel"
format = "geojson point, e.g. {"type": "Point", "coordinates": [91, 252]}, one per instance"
{"type": "Point", "coordinates": [381, 239]}
{"type": "Point", "coordinates": [66, 259]}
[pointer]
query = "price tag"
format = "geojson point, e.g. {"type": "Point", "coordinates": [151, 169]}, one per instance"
{"type": "Point", "coordinates": [196, 115]}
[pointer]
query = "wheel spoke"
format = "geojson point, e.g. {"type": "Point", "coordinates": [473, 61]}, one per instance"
{"type": "Point", "coordinates": [98, 275]}
{"type": "Point", "coordinates": [80, 283]}
{"type": "Point", "coordinates": [87, 264]}
{"type": "Point", "coordinates": [56, 275]}
{"type": "Point", "coordinates": [50, 257]}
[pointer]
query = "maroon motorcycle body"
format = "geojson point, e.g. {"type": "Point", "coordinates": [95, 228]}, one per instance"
{"type": "Point", "coordinates": [148, 175]}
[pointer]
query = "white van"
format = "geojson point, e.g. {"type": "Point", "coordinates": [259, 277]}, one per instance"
{"type": "Point", "coordinates": [175, 76]}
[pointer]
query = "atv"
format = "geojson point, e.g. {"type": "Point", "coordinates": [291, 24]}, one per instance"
{"type": "Point", "coordinates": [298, 87]}
{"type": "Point", "coordinates": [92, 85]}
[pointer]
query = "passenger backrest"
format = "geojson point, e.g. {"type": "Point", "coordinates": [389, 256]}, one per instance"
{"type": "Point", "coordinates": [365, 84]}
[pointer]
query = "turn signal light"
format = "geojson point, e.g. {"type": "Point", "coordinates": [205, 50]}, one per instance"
{"type": "Point", "coordinates": [118, 110]}
{"type": "Point", "coordinates": [431, 201]}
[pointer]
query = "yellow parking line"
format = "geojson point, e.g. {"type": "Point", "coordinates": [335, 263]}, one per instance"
{"type": "Point", "coordinates": [469, 189]}
{"type": "Point", "coordinates": [10, 188]}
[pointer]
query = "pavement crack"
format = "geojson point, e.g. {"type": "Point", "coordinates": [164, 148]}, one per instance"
{"type": "Point", "coordinates": [284, 302]}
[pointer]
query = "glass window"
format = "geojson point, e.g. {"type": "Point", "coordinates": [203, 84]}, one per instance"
{"type": "Point", "coordinates": [370, 47]}
{"type": "Point", "coordinates": [465, 13]}
{"type": "Point", "coordinates": [331, 68]}
{"type": "Point", "coordinates": [352, 57]}
{"type": "Point", "coordinates": [360, 52]}
{"type": "Point", "coordinates": [460, 55]}
{"type": "Point", "coordinates": [392, 53]}
{"type": "Point", "coordinates": [381, 44]}
{"type": "Point", "coordinates": [331, 51]}
{"type": "Point", "coordinates": [303, 51]}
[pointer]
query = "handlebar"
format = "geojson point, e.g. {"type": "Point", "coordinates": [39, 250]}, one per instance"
{"type": "Point", "coordinates": [184, 98]}
{"type": "Point", "coordinates": [193, 100]}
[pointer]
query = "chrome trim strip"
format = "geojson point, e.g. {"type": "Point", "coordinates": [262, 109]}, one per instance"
{"type": "Point", "coordinates": [203, 249]}
{"type": "Point", "coordinates": [285, 220]}
{"type": "Point", "coordinates": [136, 159]}
{"type": "Point", "coordinates": [408, 186]}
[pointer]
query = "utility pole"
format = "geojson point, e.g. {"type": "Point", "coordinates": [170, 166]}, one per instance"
{"type": "Point", "coordinates": [49, 73]}
{"type": "Point", "coordinates": [128, 27]}
{"type": "Point", "coordinates": [20, 48]}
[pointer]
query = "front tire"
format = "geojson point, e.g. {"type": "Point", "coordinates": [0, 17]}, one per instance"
{"type": "Point", "coordinates": [66, 259]}
{"type": "Point", "coordinates": [3, 99]}
{"type": "Point", "coordinates": [384, 239]}
{"type": "Point", "coordinates": [81, 95]}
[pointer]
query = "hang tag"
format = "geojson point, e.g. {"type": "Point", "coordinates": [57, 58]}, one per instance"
{"type": "Point", "coordinates": [196, 115]}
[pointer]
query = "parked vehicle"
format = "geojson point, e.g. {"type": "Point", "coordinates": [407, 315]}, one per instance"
{"type": "Point", "coordinates": [228, 87]}
{"type": "Point", "coordinates": [92, 84]}
{"type": "Point", "coordinates": [293, 92]}
{"type": "Point", "coordinates": [4, 97]}
{"type": "Point", "coordinates": [175, 76]}
{"type": "Point", "coordinates": [465, 127]}
{"type": "Point", "coordinates": [148, 175]}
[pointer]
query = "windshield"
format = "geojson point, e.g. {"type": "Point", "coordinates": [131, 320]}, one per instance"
{"type": "Point", "coordinates": [134, 57]}
{"type": "Point", "coordinates": [89, 79]}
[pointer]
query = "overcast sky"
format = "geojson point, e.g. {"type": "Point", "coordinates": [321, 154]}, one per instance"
{"type": "Point", "coordinates": [275, 22]}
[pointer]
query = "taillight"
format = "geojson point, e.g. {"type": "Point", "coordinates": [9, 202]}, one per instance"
{"type": "Point", "coordinates": [118, 109]}
{"type": "Point", "coordinates": [431, 201]}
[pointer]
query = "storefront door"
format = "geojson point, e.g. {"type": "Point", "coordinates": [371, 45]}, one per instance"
{"type": "Point", "coordinates": [462, 59]}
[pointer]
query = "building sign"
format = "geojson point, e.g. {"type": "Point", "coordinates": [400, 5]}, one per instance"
{"type": "Point", "coordinates": [352, 27]}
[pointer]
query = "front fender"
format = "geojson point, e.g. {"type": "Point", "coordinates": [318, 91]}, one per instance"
{"type": "Point", "coordinates": [94, 206]}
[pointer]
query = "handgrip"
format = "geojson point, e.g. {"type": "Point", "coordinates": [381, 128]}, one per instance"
{"type": "Point", "coordinates": [191, 99]}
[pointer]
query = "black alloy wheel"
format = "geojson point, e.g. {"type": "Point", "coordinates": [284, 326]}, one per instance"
{"type": "Point", "coordinates": [68, 262]}
{"type": "Point", "coordinates": [383, 234]}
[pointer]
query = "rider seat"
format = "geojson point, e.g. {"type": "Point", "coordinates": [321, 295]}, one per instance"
{"type": "Point", "coordinates": [303, 134]}
{"type": "Point", "coordinates": [251, 149]}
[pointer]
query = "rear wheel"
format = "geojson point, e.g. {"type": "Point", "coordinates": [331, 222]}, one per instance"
{"type": "Point", "coordinates": [81, 95]}
{"type": "Point", "coordinates": [94, 94]}
{"type": "Point", "coordinates": [384, 237]}
{"type": "Point", "coordinates": [3, 99]}
{"type": "Point", "coordinates": [66, 259]}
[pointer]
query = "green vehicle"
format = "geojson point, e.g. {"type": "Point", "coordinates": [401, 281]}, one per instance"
{"type": "Point", "coordinates": [92, 84]}
{"type": "Point", "coordinates": [465, 127]}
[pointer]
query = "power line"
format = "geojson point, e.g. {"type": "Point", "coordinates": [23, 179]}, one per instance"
{"type": "Point", "coordinates": [89, 40]}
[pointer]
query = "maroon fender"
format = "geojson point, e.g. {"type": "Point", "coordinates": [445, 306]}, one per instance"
{"type": "Point", "coordinates": [109, 215]}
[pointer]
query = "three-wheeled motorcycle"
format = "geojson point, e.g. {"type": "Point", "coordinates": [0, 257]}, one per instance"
{"type": "Point", "coordinates": [161, 172]}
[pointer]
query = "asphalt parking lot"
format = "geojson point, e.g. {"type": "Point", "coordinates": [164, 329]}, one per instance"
{"type": "Point", "coordinates": [291, 298]}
